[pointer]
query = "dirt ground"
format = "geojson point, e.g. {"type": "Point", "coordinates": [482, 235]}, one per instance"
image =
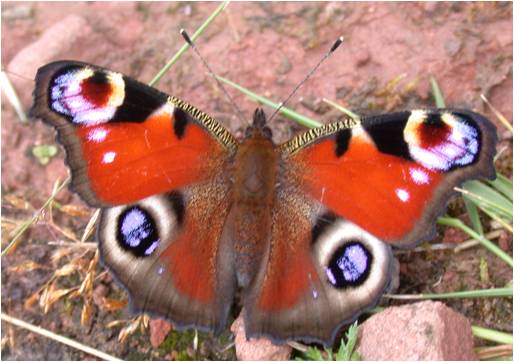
{"type": "Point", "coordinates": [267, 48]}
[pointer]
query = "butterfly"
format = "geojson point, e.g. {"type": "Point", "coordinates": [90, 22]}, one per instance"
{"type": "Point", "coordinates": [301, 232]}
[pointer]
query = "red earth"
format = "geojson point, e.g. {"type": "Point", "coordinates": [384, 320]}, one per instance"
{"type": "Point", "coordinates": [389, 53]}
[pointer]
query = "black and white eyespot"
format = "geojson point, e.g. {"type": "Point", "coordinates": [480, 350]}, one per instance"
{"type": "Point", "coordinates": [354, 265]}
{"type": "Point", "coordinates": [137, 231]}
{"type": "Point", "coordinates": [441, 141]}
{"type": "Point", "coordinates": [86, 96]}
{"type": "Point", "coordinates": [140, 230]}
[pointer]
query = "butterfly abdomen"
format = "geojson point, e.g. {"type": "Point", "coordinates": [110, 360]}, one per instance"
{"type": "Point", "coordinates": [249, 220]}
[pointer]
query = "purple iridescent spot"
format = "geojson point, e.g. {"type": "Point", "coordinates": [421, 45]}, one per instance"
{"type": "Point", "coordinates": [135, 227]}
{"type": "Point", "coordinates": [137, 232]}
{"type": "Point", "coordinates": [353, 262]}
{"type": "Point", "coordinates": [349, 265]}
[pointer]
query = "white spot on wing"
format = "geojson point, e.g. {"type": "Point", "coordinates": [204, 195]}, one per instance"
{"type": "Point", "coordinates": [419, 176]}
{"type": "Point", "coordinates": [109, 157]}
{"type": "Point", "coordinates": [402, 194]}
{"type": "Point", "coordinates": [97, 134]}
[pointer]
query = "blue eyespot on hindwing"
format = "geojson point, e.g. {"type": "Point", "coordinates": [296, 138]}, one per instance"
{"type": "Point", "coordinates": [137, 232]}
{"type": "Point", "coordinates": [349, 265]}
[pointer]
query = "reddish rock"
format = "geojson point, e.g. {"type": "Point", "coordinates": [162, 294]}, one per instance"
{"type": "Point", "coordinates": [420, 331]}
{"type": "Point", "coordinates": [159, 330]}
{"type": "Point", "coordinates": [53, 42]}
{"type": "Point", "coordinates": [256, 349]}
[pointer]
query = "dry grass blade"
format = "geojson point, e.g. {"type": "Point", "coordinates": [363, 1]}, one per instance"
{"type": "Point", "coordinates": [497, 113]}
{"type": "Point", "coordinates": [26, 266]}
{"type": "Point", "coordinates": [31, 301]}
{"type": "Point", "coordinates": [128, 331]}
{"type": "Point", "coordinates": [68, 269]}
{"type": "Point", "coordinates": [75, 210]}
{"type": "Point", "coordinates": [87, 285]}
{"type": "Point", "coordinates": [66, 232]}
{"type": "Point", "coordinates": [23, 227]}
{"type": "Point", "coordinates": [488, 353]}
{"type": "Point", "coordinates": [87, 311]}
{"type": "Point", "coordinates": [18, 202]}
{"type": "Point", "coordinates": [9, 91]}
{"type": "Point", "coordinates": [90, 227]}
{"type": "Point", "coordinates": [51, 295]}
{"type": "Point", "coordinates": [111, 305]}
{"type": "Point", "coordinates": [141, 322]}
{"type": "Point", "coordinates": [64, 340]}
{"type": "Point", "coordinates": [69, 246]}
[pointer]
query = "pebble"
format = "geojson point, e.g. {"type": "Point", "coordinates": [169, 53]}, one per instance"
{"type": "Point", "coordinates": [421, 331]}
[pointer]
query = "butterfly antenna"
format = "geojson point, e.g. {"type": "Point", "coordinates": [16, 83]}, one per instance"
{"type": "Point", "coordinates": [195, 49]}
{"type": "Point", "coordinates": [327, 54]}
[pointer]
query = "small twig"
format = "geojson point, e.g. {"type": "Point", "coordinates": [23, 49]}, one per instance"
{"type": "Point", "coordinates": [88, 245]}
{"type": "Point", "coordinates": [497, 113]}
{"type": "Point", "coordinates": [489, 353]}
{"type": "Point", "coordinates": [298, 346]}
{"type": "Point", "coordinates": [58, 338]}
{"type": "Point", "coordinates": [450, 246]}
{"type": "Point", "coordinates": [472, 242]}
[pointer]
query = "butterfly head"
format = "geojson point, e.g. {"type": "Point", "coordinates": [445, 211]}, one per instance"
{"type": "Point", "coordinates": [258, 128]}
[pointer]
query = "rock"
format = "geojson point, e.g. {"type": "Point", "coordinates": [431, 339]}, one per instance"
{"type": "Point", "coordinates": [53, 42]}
{"type": "Point", "coordinates": [159, 330]}
{"type": "Point", "coordinates": [362, 56]}
{"type": "Point", "coordinates": [256, 349]}
{"type": "Point", "coordinates": [421, 331]}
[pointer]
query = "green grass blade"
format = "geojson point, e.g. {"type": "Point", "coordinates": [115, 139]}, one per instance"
{"type": "Point", "coordinates": [347, 350]}
{"type": "Point", "coordinates": [503, 221]}
{"type": "Point", "coordinates": [486, 196]}
{"type": "Point", "coordinates": [436, 92]}
{"type": "Point", "coordinates": [492, 335]}
{"type": "Point", "coordinates": [297, 117]}
{"type": "Point", "coordinates": [182, 50]}
{"type": "Point", "coordinates": [342, 109]}
{"type": "Point", "coordinates": [474, 217]}
{"type": "Point", "coordinates": [480, 293]}
{"type": "Point", "coordinates": [503, 185]}
{"type": "Point", "coordinates": [489, 245]}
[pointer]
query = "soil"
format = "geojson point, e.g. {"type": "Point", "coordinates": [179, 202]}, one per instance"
{"type": "Point", "coordinates": [267, 48]}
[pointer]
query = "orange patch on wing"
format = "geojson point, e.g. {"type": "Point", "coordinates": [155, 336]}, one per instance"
{"type": "Point", "coordinates": [290, 271]}
{"type": "Point", "coordinates": [383, 194]}
{"type": "Point", "coordinates": [189, 264]}
{"type": "Point", "coordinates": [130, 161]}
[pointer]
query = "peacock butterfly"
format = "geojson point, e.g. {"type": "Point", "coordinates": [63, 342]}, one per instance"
{"type": "Point", "coordinates": [302, 231]}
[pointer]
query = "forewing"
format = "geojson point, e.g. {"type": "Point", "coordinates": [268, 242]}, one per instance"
{"type": "Point", "coordinates": [124, 140]}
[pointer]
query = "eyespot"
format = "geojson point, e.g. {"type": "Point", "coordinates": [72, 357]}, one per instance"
{"type": "Point", "coordinates": [349, 265]}
{"type": "Point", "coordinates": [351, 260]}
{"type": "Point", "coordinates": [86, 96]}
{"type": "Point", "coordinates": [441, 141]}
{"type": "Point", "coordinates": [140, 230]}
{"type": "Point", "coordinates": [137, 232]}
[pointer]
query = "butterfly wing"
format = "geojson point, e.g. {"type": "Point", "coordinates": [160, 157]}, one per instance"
{"type": "Point", "coordinates": [165, 250]}
{"type": "Point", "coordinates": [346, 194]}
{"type": "Point", "coordinates": [393, 174]}
{"type": "Point", "coordinates": [301, 293]}
{"type": "Point", "coordinates": [155, 164]}
{"type": "Point", "coordinates": [124, 140]}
